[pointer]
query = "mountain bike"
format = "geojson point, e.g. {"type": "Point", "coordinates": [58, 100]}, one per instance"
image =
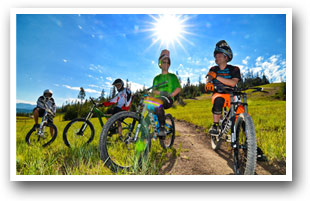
{"type": "Point", "coordinates": [45, 133]}
{"type": "Point", "coordinates": [81, 131]}
{"type": "Point", "coordinates": [237, 128]}
{"type": "Point", "coordinates": [138, 128]}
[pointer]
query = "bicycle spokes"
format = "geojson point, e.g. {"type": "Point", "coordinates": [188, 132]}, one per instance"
{"type": "Point", "coordinates": [78, 134]}
{"type": "Point", "coordinates": [122, 149]}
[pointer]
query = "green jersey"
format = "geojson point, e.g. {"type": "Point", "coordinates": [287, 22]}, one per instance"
{"type": "Point", "coordinates": [173, 82]}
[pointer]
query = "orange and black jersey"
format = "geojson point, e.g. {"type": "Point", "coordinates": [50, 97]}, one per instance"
{"type": "Point", "coordinates": [229, 72]}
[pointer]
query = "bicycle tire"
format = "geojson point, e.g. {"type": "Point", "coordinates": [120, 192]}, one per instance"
{"type": "Point", "coordinates": [110, 146]}
{"type": "Point", "coordinates": [245, 153]}
{"type": "Point", "coordinates": [167, 142]}
{"type": "Point", "coordinates": [32, 138]}
{"type": "Point", "coordinates": [75, 135]}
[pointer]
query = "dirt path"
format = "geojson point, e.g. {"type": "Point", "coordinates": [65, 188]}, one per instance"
{"type": "Point", "coordinates": [198, 158]}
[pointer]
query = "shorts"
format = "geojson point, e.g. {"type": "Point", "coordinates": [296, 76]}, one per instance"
{"type": "Point", "coordinates": [41, 113]}
{"type": "Point", "coordinates": [114, 110]}
{"type": "Point", "coordinates": [218, 105]}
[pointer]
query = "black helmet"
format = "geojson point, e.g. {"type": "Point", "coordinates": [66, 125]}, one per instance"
{"type": "Point", "coordinates": [119, 81]}
{"type": "Point", "coordinates": [223, 47]}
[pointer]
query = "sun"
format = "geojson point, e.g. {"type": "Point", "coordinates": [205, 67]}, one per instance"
{"type": "Point", "coordinates": [169, 30]}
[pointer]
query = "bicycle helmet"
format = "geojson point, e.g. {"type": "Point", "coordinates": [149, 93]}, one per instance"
{"type": "Point", "coordinates": [223, 47]}
{"type": "Point", "coordinates": [164, 54]}
{"type": "Point", "coordinates": [48, 91]}
{"type": "Point", "coordinates": [119, 81]}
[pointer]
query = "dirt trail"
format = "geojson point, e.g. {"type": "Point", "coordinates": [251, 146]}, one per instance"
{"type": "Point", "coordinates": [198, 158]}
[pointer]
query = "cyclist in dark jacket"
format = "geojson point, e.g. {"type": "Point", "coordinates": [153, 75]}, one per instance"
{"type": "Point", "coordinates": [220, 76]}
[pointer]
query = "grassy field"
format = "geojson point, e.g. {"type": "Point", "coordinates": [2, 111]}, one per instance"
{"type": "Point", "coordinates": [268, 114]}
{"type": "Point", "coordinates": [57, 159]}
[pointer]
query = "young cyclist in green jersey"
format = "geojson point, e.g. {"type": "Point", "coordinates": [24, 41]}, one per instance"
{"type": "Point", "coordinates": [167, 92]}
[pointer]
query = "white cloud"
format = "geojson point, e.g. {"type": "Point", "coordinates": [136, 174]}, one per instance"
{"type": "Point", "coordinates": [92, 85]}
{"type": "Point", "coordinates": [109, 78]}
{"type": "Point", "coordinates": [65, 60]}
{"type": "Point", "coordinates": [134, 86]}
{"type": "Point", "coordinates": [27, 102]}
{"type": "Point", "coordinates": [96, 68]}
{"type": "Point", "coordinates": [78, 89]}
{"type": "Point", "coordinates": [245, 61]}
{"type": "Point", "coordinates": [80, 27]}
{"type": "Point", "coordinates": [274, 68]}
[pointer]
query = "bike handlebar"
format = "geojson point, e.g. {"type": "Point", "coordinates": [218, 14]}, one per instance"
{"type": "Point", "coordinates": [240, 90]}
{"type": "Point", "coordinates": [155, 86]}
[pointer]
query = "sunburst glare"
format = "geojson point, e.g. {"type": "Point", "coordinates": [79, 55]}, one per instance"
{"type": "Point", "coordinates": [169, 30]}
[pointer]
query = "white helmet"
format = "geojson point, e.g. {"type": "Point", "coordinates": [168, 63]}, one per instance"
{"type": "Point", "coordinates": [47, 91]}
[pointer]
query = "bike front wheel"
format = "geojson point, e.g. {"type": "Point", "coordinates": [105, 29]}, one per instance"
{"type": "Point", "coordinates": [245, 150]}
{"type": "Point", "coordinates": [78, 132]}
{"type": "Point", "coordinates": [43, 137]}
{"type": "Point", "coordinates": [167, 141]}
{"type": "Point", "coordinates": [117, 146]}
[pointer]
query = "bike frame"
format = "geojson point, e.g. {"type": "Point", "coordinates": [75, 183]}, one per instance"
{"type": "Point", "coordinates": [91, 113]}
{"type": "Point", "coordinates": [232, 115]}
{"type": "Point", "coordinates": [146, 118]}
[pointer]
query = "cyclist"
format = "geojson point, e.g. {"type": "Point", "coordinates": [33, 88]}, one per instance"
{"type": "Point", "coordinates": [122, 100]}
{"type": "Point", "coordinates": [166, 93]}
{"type": "Point", "coordinates": [222, 75]}
{"type": "Point", "coordinates": [39, 110]}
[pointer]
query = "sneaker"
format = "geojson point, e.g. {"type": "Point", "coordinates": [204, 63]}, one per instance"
{"type": "Point", "coordinates": [162, 132]}
{"type": "Point", "coordinates": [214, 130]}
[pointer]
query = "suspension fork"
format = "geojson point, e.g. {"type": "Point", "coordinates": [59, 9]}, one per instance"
{"type": "Point", "coordinates": [232, 117]}
{"type": "Point", "coordinates": [141, 123]}
{"type": "Point", "coordinates": [89, 115]}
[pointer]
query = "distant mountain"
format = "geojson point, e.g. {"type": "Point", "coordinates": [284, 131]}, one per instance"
{"type": "Point", "coordinates": [24, 108]}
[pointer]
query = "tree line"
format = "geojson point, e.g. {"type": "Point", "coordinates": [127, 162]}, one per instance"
{"type": "Point", "coordinates": [81, 108]}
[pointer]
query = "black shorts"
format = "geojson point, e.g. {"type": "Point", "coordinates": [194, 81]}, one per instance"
{"type": "Point", "coordinates": [218, 105]}
{"type": "Point", "coordinates": [168, 102]}
{"type": "Point", "coordinates": [114, 110]}
{"type": "Point", "coordinates": [41, 113]}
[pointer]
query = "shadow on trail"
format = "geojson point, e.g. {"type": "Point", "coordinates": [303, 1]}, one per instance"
{"type": "Point", "coordinates": [169, 164]}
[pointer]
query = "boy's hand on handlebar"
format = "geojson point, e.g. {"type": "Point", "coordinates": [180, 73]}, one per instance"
{"type": "Point", "coordinates": [164, 93]}
{"type": "Point", "coordinates": [209, 87]}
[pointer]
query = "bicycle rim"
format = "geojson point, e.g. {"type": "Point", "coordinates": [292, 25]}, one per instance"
{"type": "Point", "coordinates": [78, 133]}
{"type": "Point", "coordinates": [45, 138]}
{"type": "Point", "coordinates": [246, 148]}
{"type": "Point", "coordinates": [119, 153]}
{"type": "Point", "coordinates": [167, 142]}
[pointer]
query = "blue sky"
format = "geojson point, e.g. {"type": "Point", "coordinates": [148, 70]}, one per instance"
{"type": "Point", "coordinates": [67, 51]}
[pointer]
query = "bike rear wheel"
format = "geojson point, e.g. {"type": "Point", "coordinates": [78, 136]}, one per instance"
{"type": "Point", "coordinates": [246, 147]}
{"type": "Point", "coordinates": [167, 141]}
{"type": "Point", "coordinates": [123, 153]}
{"type": "Point", "coordinates": [78, 132]}
{"type": "Point", "coordinates": [47, 137]}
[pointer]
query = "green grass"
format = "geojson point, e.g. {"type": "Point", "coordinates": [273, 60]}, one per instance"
{"type": "Point", "coordinates": [268, 114]}
{"type": "Point", "coordinates": [58, 159]}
